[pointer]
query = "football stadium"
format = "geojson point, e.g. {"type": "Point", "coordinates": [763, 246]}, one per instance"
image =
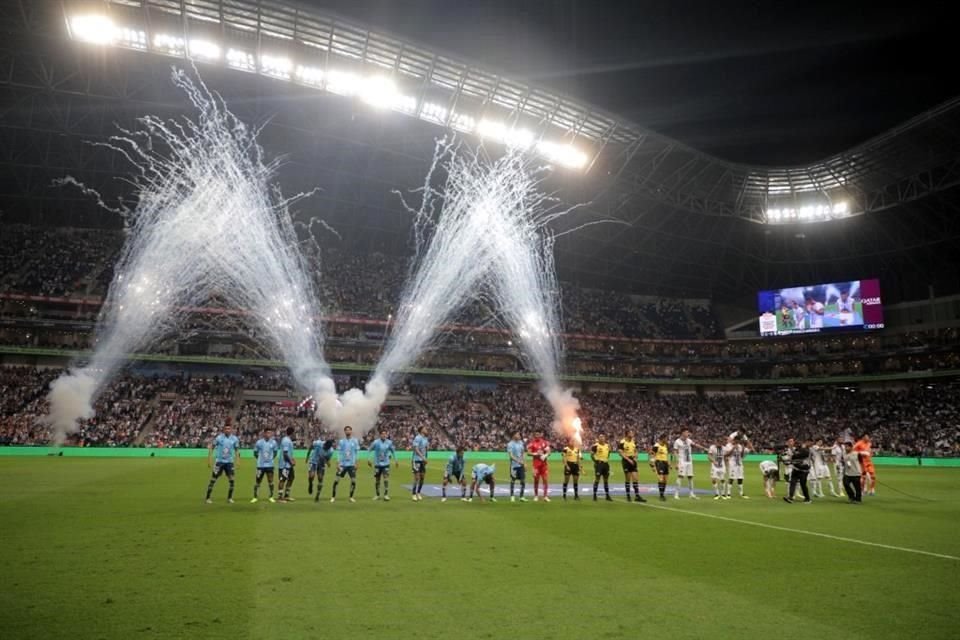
{"type": "Point", "coordinates": [480, 320]}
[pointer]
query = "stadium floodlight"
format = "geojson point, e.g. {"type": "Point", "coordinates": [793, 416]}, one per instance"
{"type": "Point", "coordinates": [344, 83]}
{"type": "Point", "coordinates": [519, 138]}
{"type": "Point", "coordinates": [379, 91]}
{"type": "Point", "coordinates": [463, 122]}
{"type": "Point", "coordinates": [562, 154]}
{"type": "Point", "coordinates": [276, 66]}
{"type": "Point", "coordinates": [204, 49]}
{"type": "Point", "coordinates": [168, 44]}
{"type": "Point", "coordinates": [93, 29]}
{"type": "Point", "coordinates": [492, 129]}
{"type": "Point", "coordinates": [404, 103]}
{"type": "Point", "coordinates": [433, 112]}
{"type": "Point", "coordinates": [840, 209]}
{"type": "Point", "coordinates": [240, 59]}
{"type": "Point", "coordinates": [311, 76]}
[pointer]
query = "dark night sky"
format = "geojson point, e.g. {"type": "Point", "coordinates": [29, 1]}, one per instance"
{"type": "Point", "coordinates": [772, 82]}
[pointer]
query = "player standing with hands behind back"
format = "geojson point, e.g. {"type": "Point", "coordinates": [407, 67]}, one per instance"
{"type": "Point", "coordinates": [660, 463]}
{"type": "Point", "coordinates": [628, 459]}
{"type": "Point", "coordinates": [420, 446]}
{"type": "Point", "coordinates": [539, 450]}
{"type": "Point", "coordinates": [227, 448]}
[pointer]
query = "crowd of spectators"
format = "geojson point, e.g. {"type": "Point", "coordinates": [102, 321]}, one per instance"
{"type": "Point", "coordinates": [176, 411]}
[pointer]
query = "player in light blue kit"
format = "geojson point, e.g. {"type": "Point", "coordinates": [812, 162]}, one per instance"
{"type": "Point", "coordinates": [420, 447]}
{"type": "Point", "coordinates": [265, 452]}
{"type": "Point", "coordinates": [318, 459]}
{"type": "Point", "coordinates": [383, 451]}
{"type": "Point", "coordinates": [482, 474]}
{"type": "Point", "coordinates": [287, 463]}
{"type": "Point", "coordinates": [518, 468]}
{"type": "Point", "coordinates": [456, 469]}
{"type": "Point", "coordinates": [348, 449]}
{"type": "Point", "coordinates": [225, 448]}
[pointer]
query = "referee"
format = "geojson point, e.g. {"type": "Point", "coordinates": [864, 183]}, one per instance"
{"type": "Point", "coordinates": [800, 461]}
{"type": "Point", "coordinates": [600, 452]}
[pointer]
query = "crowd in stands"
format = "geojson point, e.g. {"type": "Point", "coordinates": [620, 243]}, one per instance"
{"type": "Point", "coordinates": [179, 411]}
{"type": "Point", "coordinates": [54, 262]}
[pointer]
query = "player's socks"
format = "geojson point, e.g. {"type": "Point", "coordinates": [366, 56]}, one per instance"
{"type": "Point", "coordinates": [512, 484]}
{"type": "Point", "coordinates": [523, 487]}
{"type": "Point", "coordinates": [636, 488]}
{"type": "Point", "coordinates": [270, 486]}
{"type": "Point", "coordinates": [353, 488]}
{"type": "Point", "coordinates": [596, 485]}
{"type": "Point", "coordinates": [662, 488]}
{"type": "Point", "coordinates": [310, 486]}
{"type": "Point", "coordinates": [443, 491]}
{"type": "Point", "coordinates": [256, 490]}
{"type": "Point", "coordinates": [565, 490]}
{"type": "Point", "coordinates": [333, 491]}
{"type": "Point", "coordinates": [386, 487]}
{"type": "Point", "coordinates": [690, 486]}
{"type": "Point", "coordinates": [210, 488]}
{"type": "Point", "coordinates": [230, 490]}
{"type": "Point", "coordinates": [576, 490]}
{"type": "Point", "coordinates": [679, 486]}
{"type": "Point", "coordinates": [740, 487]}
{"type": "Point", "coordinates": [606, 487]}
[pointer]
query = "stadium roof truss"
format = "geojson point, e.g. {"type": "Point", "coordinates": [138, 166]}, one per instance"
{"type": "Point", "coordinates": [280, 39]}
{"type": "Point", "coordinates": [693, 224]}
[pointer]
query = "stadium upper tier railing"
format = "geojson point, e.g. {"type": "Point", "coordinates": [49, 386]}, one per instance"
{"type": "Point", "coordinates": [287, 42]}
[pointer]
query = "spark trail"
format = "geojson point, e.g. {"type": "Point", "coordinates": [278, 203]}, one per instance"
{"type": "Point", "coordinates": [207, 222]}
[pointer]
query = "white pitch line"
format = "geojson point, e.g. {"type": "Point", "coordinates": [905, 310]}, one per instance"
{"type": "Point", "coordinates": [805, 532]}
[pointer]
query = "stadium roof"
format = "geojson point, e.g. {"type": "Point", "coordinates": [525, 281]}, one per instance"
{"type": "Point", "coordinates": [698, 225]}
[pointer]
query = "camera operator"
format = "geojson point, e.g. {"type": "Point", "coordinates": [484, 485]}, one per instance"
{"type": "Point", "coordinates": [800, 463]}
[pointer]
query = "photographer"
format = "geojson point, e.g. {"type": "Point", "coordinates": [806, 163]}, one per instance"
{"type": "Point", "coordinates": [800, 463]}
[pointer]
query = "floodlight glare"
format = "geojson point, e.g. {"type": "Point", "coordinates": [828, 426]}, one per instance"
{"type": "Point", "coordinates": [276, 66]}
{"type": "Point", "coordinates": [239, 59]}
{"type": "Point", "coordinates": [840, 208]}
{"type": "Point", "coordinates": [312, 76]}
{"type": "Point", "coordinates": [562, 154]}
{"type": "Point", "coordinates": [344, 83]}
{"type": "Point", "coordinates": [95, 29]}
{"type": "Point", "coordinates": [463, 122]}
{"type": "Point", "coordinates": [168, 44]}
{"type": "Point", "coordinates": [433, 112]}
{"type": "Point", "coordinates": [379, 91]}
{"type": "Point", "coordinates": [204, 49]}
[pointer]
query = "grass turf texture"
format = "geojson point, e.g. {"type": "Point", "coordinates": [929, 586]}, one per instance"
{"type": "Point", "coordinates": [126, 548]}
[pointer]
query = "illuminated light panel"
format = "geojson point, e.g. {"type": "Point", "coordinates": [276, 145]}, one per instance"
{"type": "Point", "coordinates": [312, 76]}
{"type": "Point", "coordinates": [242, 60]}
{"type": "Point", "coordinates": [276, 66]}
{"type": "Point", "coordinates": [562, 154]}
{"type": "Point", "coordinates": [344, 83]}
{"type": "Point", "coordinates": [404, 104]}
{"type": "Point", "coordinates": [433, 112]}
{"type": "Point", "coordinates": [169, 44]}
{"type": "Point", "coordinates": [379, 92]}
{"type": "Point", "coordinates": [463, 122]}
{"type": "Point", "coordinates": [808, 213]}
{"type": "Point", "coordinates": [204, 49]}
{"type": "Point", "coordinates": [94, 29]}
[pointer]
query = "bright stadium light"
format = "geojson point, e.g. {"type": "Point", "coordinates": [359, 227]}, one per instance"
{"type": "Point", "coordinates": [312, 76]}
{"type": "Point", "coordinates": [168, 44]}
{"type": "Point", "coordinates": [492, 129]}
{"type": "Point", "coordinates": [379, 91]}
{"type": "Point", "coordinates": [204, 49]}
{"type": "Point", "coordinates": [344, 83]}
{"type": "Point", "coordinates": [840, 209]}
{"type": "Point", "coordinates": [463, 122]}
{"type": "Point", "coordinates": [94, 29]}
{"type": "Point", "coordinates": [276, 66]}
{"type": "Point", "coordinates": [242, 60]}
{"type": "Point", "coordinates": [562, 154]}
{"type": "Point", "coordinates": [433, 112]}
{"type": "Point", "coordinates": [519, 138]}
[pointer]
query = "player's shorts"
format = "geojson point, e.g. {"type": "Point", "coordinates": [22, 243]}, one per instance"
{"type": "Point", "coordinates": [717, 473]}
{"type": "Point", "coordinates": [868, 469]}
{"type": "Point", "coordinates": [316, 467]}
{"type": "Point", "coordinates": [419, 466]}
{"type": "Point", "coordinates": [685, 469]}
{"type": "Point", "coordinates": [348, 471]}
{"type": "Point", "coordinates": [813, 475]}
{"type": "Point", "coordinates": [773, 474]}
{"type": "Point", "coordinates": [629, 466]}
{"type": "Point", "coordinates": [662, 467]}
{"type": "Point", "coordinates": [540, 468]}
{"type": "Point", "coordinates": [571, 468]}
{"type": "Point", "coordinates": [223, 467]}
{"type": "Point", "coordinates": [448, 477]}
{"type": "Point", "coordinates": [601, 468]}
{"type": "Point", "coordinates": [488, 479]}
{"type": "Point", "coordinates": [264, 471]}
{"type": "Point", "coordinates": [518, 473]}
{"type": "Point", "coordinates": [287, 474]}
{"type": "Point", "coordinates": [735, 472]}
{"type": "Point", "coordinates": [381, 471]}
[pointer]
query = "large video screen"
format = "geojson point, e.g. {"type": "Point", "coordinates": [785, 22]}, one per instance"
{"type": "Point", "coordinates": [837, 306]}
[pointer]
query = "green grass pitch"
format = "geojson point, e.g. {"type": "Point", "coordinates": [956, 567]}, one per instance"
{"type": "Point", "coordinates": [126, 548]}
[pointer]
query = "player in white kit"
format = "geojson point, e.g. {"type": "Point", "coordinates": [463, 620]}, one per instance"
{"type": "Point", "coordinates": [683, 451]}
{"type": "Point", "coordinates": [771, 473]}
{"type": "Point", "coordinates": [819, 469]}
{"type": "Point", "coordinates": [718, 469]}
{"type": "Point", "coordinates": [836, 457]}
{"type": "Point", "coordinates": [733, 451]}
